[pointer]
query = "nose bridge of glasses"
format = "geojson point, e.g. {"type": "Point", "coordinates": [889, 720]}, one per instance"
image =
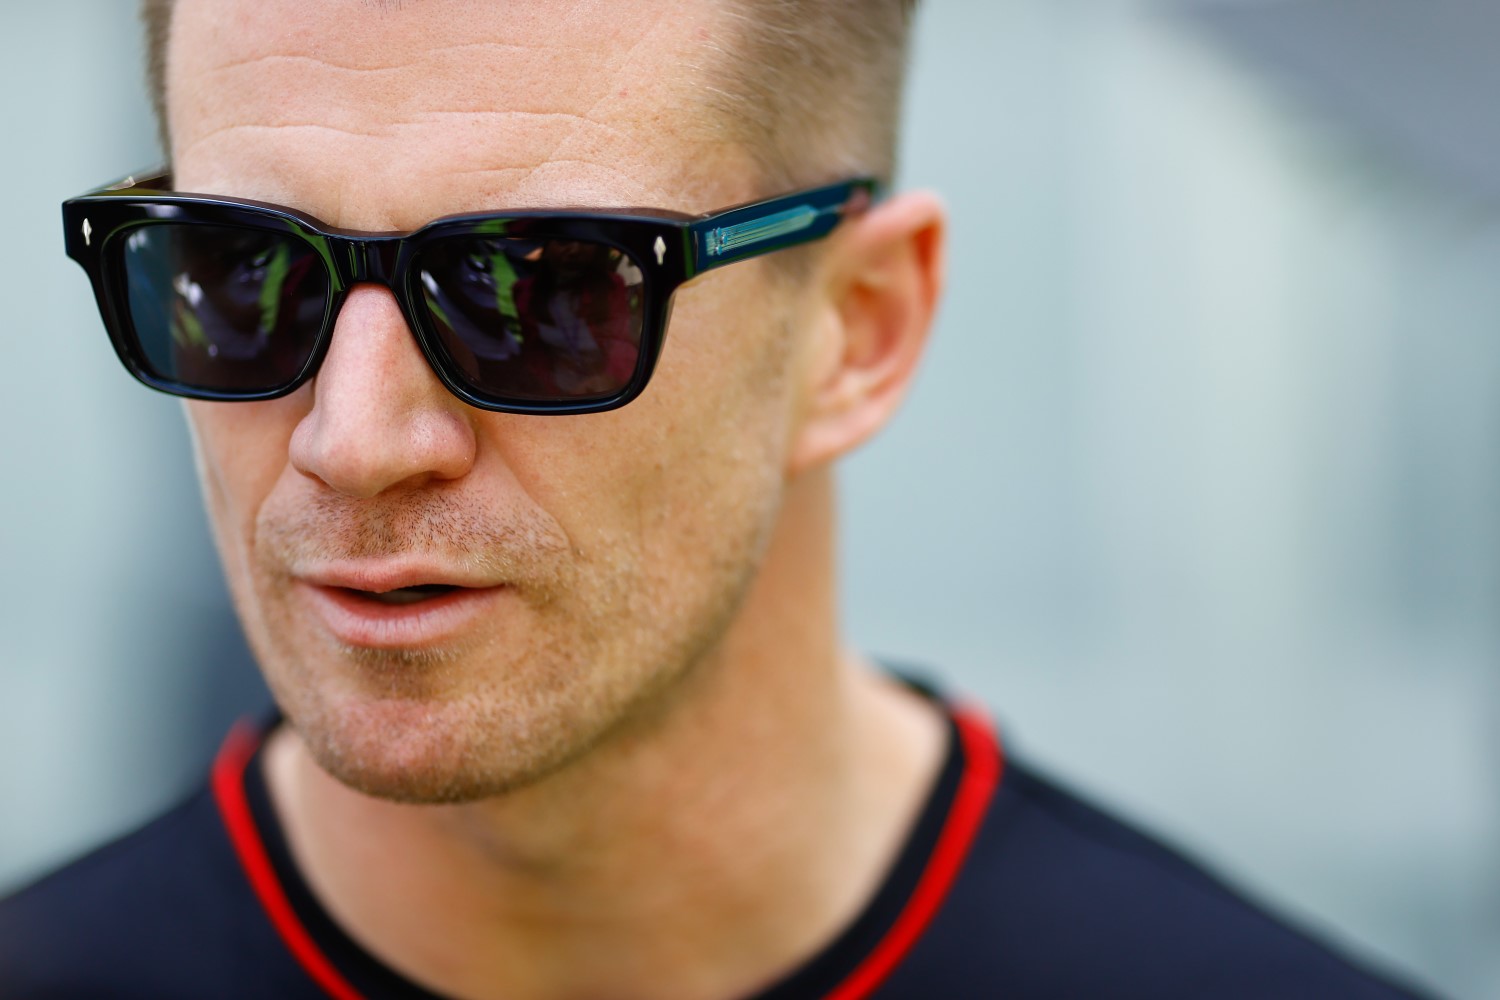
{"type": "Point", "coordinates": [366, 258]}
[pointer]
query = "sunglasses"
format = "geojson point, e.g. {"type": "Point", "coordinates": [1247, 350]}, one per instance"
{"type": "Point", "coordinates": [532, 311]}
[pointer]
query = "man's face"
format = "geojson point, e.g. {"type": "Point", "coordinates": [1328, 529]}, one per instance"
{"type": "Point", "coordinates": [600, 556]}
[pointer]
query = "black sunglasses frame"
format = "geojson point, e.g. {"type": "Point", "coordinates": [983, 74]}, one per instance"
{"type": "Point", "coordinates": [669, 248]}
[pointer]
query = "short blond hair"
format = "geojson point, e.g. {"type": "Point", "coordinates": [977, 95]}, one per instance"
{"type": "Point", "coordinates": [812, 88]}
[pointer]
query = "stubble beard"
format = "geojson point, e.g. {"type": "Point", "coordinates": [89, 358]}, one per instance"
{"type": "Point", "coordinates": [606, 637]}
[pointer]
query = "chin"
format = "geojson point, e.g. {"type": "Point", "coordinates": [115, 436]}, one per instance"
{"type": "Point", "coordinates": [410, 748]}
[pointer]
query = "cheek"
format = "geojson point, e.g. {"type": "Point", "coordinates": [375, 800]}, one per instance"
{"type": "Point", "coordinates": [691, 472]}
{"type": "Point", "coordinates": [241, 453]}
{"type": "Point", "coordinates": [724, 372]}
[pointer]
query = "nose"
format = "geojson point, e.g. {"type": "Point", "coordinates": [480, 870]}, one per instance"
{"type": "Point", "coordinates": [380, 418]}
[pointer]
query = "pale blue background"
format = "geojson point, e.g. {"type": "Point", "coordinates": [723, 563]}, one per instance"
{"type": "Point", "coordinates": [1199, 489]}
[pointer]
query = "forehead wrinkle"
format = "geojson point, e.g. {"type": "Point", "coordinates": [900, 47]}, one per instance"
{"type": "Point", "coordinates": [556, 183]}
{"type": "Point", "coordinates": [547, 123]}
{"type": "Point", "coordinates": [323, 61]}
{"type": "Point", "coordinates": [604, 180]}
{"type": "Point", "coordinates": [640, 61]}
{"type": "Point", "coordinates": [394, 94]}
{"type": "Point", "coordinates": [349, 97]}
{"type": "Point", "coordinates": [390, 129]}
{"type": "Point", "coordinates": [358, 47]}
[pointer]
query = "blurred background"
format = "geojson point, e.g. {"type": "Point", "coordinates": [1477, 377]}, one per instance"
{"type": "Point", "coordinates": [1199, 489]}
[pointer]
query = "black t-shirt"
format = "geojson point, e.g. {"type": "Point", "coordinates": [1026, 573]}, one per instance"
{"type": "Point", "coordinates": [1008, 887]}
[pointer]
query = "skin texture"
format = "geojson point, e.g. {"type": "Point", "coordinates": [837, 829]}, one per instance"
{"type": "Point", "coordinates": [648, 748]}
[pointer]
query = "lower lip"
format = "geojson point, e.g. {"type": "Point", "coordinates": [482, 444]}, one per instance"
{"type": "Point", "coordinates": [359, 621]}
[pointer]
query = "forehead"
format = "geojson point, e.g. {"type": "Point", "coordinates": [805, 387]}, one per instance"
{"type": "Point", "coordinates": [381, 116]}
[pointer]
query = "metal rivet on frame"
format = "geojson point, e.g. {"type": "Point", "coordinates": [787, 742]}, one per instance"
{"type": "Point", "coordinates": [88, 230]}
{"type": "Point", "coordinates": [661, 250]}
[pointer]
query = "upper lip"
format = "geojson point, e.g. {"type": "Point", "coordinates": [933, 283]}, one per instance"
{"type": "Point", "coordinates": [379, 578]}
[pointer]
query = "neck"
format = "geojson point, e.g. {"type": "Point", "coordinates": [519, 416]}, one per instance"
{"type": "Point", "coordinates": [702, 855]}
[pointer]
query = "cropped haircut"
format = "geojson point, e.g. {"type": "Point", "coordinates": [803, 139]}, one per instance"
{"type": "Point", "coordinates": [810, 88]}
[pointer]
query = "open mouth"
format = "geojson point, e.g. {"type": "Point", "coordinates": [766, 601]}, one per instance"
{"type": "Point", "coordinates": [420, 614]}
{"type": "Point", "coordinates": [403, 595]}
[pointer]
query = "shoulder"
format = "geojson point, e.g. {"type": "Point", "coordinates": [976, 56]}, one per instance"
{"type": "Point", "coordinates": [162, 912]}
{"type": "Point", "coordinates": [1058, 898]}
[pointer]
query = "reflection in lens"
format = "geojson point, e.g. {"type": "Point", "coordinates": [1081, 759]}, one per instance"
{"type": "Point", "coordinates": [223, 308]}
{"type": "Point", "coordinates": [535, 320]}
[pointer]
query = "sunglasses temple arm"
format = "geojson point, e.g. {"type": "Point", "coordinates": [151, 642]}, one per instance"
{"type": "Point", "coordinates": [742, 233]}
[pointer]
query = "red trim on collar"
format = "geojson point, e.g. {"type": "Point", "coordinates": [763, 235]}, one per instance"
{"type": "Point", "coordinates": [229, 791]}
{"type": "Point", "coordinates": [983, 762]}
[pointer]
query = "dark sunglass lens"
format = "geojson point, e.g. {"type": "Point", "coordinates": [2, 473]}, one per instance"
{"type": "Point", "coordinates": [546, 319]}
{"type": "Point", "coordinates": [223, 308]}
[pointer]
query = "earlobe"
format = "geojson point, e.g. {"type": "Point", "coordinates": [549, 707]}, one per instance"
{"type": "Point", "coordinates": [882, 280]}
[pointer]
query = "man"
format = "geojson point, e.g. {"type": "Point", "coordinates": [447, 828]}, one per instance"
{"type": "Point", "coordinates": [551, 622]}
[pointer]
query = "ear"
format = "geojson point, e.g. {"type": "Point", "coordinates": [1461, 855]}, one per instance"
{"type": "Point", "coordinates": [879, 285]}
